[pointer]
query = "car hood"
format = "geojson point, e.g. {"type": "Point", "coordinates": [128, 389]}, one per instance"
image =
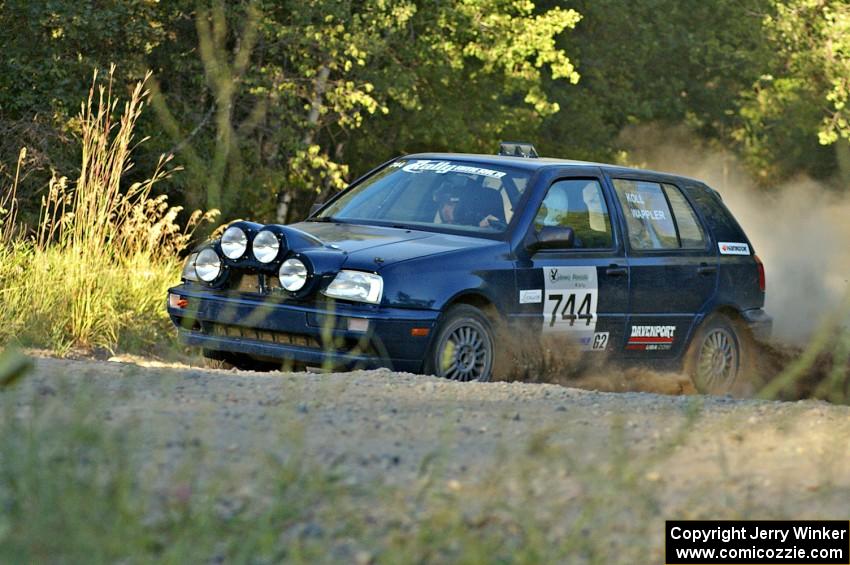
{"type": "Point", "coordinates": [375, 247]}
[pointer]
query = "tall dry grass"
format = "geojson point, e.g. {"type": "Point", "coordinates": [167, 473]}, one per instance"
{"type": "Point", "coordinates": [94, 271]}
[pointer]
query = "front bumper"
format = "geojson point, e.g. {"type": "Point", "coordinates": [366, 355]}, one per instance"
{"type": "Point", "coordinates": [759, 323]}
{"type": "Point", "coordinates": [317, 334]}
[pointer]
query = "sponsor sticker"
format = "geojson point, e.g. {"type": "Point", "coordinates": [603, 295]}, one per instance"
{"type": "Point", "coordinates": [442, 167]}
{"type": "Point", "coordinates": [732, 248]}
{"type": "Point", "coordinates": [531, 296]}
{"type": "Point", "coordinates": [600, 341]}
{"type": "Point", "coordinates": [651, 338]}
{"type": "Point", "coordinates": [570, 299]}
{"type": "Point", "coordinates": [597, 342]}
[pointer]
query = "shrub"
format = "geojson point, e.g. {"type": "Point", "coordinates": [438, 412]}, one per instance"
{"type": "Point", "coordinates": [95, 271]}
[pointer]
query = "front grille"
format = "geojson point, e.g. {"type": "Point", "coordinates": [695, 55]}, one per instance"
{"type": "Point", "coordinates": [257, 284]}
{"type": "Point", "coordinates": [284, 338]}
{"type": "Point", "coordinates": [348, 346]}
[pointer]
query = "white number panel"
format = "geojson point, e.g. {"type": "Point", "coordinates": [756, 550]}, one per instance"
{"type": "Point", "coordinates": [569, 307]}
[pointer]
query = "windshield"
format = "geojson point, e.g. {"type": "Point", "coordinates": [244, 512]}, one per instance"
{"type": "Point", "coordinates": [440, 194]}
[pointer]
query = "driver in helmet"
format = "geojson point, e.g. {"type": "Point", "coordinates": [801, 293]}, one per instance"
{"type": "Point", "coordinates": [449, 209]}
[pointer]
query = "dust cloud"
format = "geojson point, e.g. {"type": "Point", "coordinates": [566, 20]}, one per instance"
{"type": "Point", "coordinates": [800, 229]}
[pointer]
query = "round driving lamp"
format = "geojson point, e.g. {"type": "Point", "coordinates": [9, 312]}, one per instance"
{"type": "Point", "coordinates": [293, 275]}
{"type": "Point", "coordinates": [208, 265]}
{"type": "Point", "coordinates": [266, 246]}
{"type": "Point", "coordinates": [234, 242]}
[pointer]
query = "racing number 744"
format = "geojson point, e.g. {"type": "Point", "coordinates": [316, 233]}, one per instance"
{"type": "Point", "coordinates": [569, 312]}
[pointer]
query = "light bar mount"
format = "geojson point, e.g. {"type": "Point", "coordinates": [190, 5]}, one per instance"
{"type": "Point", "coordinates": [518, 149]}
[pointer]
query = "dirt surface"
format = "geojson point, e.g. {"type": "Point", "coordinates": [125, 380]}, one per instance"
{"type": "Point", "coordinates": [383, 426]}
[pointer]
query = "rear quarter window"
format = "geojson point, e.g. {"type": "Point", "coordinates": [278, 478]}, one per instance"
{"type": "Point", "coordinates": [717, 217]}
{"type": "Point", "coordinates": [691, 234]}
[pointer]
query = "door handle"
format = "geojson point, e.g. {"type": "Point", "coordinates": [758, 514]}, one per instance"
{"type": "Point", "coordinates": [706, 269]}
{"type": "Point", "coordinates": [616, 271]}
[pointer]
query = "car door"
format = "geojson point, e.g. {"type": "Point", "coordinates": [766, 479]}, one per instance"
{"type": "Point", "coordinates": [672, 264]}
{"type": "Point", "coordinates": [578, 293]}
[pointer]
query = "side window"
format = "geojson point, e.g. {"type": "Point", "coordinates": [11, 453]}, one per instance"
{"type": "Point", "coordinates": [647, 215]}
{"type": "Point", "coordinates": [577, 204]}
{"type": "Point", "coordinates": [690, 231]}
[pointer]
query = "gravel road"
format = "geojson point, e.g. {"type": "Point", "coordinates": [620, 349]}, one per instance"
{"type": "Point", "coordinates": [791, 458]}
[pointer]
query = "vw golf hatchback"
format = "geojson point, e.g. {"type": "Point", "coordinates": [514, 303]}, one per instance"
{"type": "Point", "coordinates": [416, 264]}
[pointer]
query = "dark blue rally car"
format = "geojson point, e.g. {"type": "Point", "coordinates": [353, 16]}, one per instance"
{"type": "Point", "coordinates": [417, 264]}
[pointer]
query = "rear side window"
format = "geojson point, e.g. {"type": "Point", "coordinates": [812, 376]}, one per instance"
{"type": "Point", "coordinates": [648, 216]}
{"type": "Point", "coordinates": [691, 235]}
{"type": "Point", "coordinates": [658, 216]}
{"type": "Point", "coordinates": [577, 204]}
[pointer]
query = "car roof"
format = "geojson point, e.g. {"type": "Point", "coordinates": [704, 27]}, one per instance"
{"type": "Point", "coordinates": [536, 163]}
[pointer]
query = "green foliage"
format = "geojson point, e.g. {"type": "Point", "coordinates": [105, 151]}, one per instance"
{"type": "Point", "coordinates": [800, 98]}
{"type": "Point", "coordinates": [259, 99]}
{"type": "Point", "coordinates": [814, 41]}
{"type": "Point", "coordinates": [270, 105]}
{"type": "Point", "coordinates": [663, 61]}
{"type": "Point", "coordinates": [96, 271]}
{"type": "Point", "coordinates": [50, 49]}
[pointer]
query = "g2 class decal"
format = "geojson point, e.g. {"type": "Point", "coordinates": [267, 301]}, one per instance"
{"type": "Point", "coordinates": [571, 296]}
{"type": "Point", "coordinates": [651, 338]}
{"type": "Point", "coordinates": [599, 342]}
{"type": "Point", "coordinates": [732, 248]}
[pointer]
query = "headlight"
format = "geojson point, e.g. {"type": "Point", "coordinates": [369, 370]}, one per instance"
{"type": "Point", "coordinates": [293, 275]}
{"type": "Point", "coordinates": [356, 285]}
{"type": "Point", "coordinates": [266, 246]}
{"type": "Point", "coordinates": [234, 242]}
{"type": "Point", "coordinates": [208, 265]}
{"type": "Point", "coordinates": [188, 273]}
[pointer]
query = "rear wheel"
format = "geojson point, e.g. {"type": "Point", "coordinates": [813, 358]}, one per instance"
{"type": "Point", "coordinates": [463, 349]}
{"type": "Point", "coordinates": [720, 357]}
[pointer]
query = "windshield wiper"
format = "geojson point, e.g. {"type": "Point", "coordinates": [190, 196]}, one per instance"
{"type": "Point", "coordinates": [323, 219]}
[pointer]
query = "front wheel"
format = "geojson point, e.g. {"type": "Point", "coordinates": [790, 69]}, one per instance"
{"type": "Point", "coordinates": [720, 357]}
{"type": "Point", "coordinates": [463, 349]}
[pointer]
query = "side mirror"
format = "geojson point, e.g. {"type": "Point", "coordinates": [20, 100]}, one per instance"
{"type": "Point", "coordinates": [315, 208]}
{"type": "Point", "coordinates": [553, 237]}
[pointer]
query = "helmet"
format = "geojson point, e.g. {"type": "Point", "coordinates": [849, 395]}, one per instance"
{"type": "Point", "coordinates": [449, 191]}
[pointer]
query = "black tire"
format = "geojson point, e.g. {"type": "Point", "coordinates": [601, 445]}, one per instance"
{"type": "Point", "coordinates": [463, 348]}
{"type": "Point", "coordinates": [721, 357]}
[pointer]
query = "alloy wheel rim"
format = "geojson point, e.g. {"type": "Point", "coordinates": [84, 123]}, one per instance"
{"type": "Point", "coordinates": [717, 366]}
{"type": "Point", "coordinates": [466, 354]}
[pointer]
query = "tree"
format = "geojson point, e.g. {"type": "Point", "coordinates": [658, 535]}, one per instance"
{"type": "Point", "coordinates": [50, 49]}
{"type": "Point", "coordinates": [313, 73]}
{"type": "Point", "coordinates": [654, 61]}
{"type": "Point", "coordinates": [801, 98]}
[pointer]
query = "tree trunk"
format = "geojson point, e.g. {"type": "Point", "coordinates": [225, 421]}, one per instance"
{"type": "Point", "coordinates": [842, 154]}
{"type": "Point", "coordinates": [284, 197]}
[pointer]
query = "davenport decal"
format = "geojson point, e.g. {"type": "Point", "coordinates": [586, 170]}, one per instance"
{"type": "Point", "coordinates": [651, 338]}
